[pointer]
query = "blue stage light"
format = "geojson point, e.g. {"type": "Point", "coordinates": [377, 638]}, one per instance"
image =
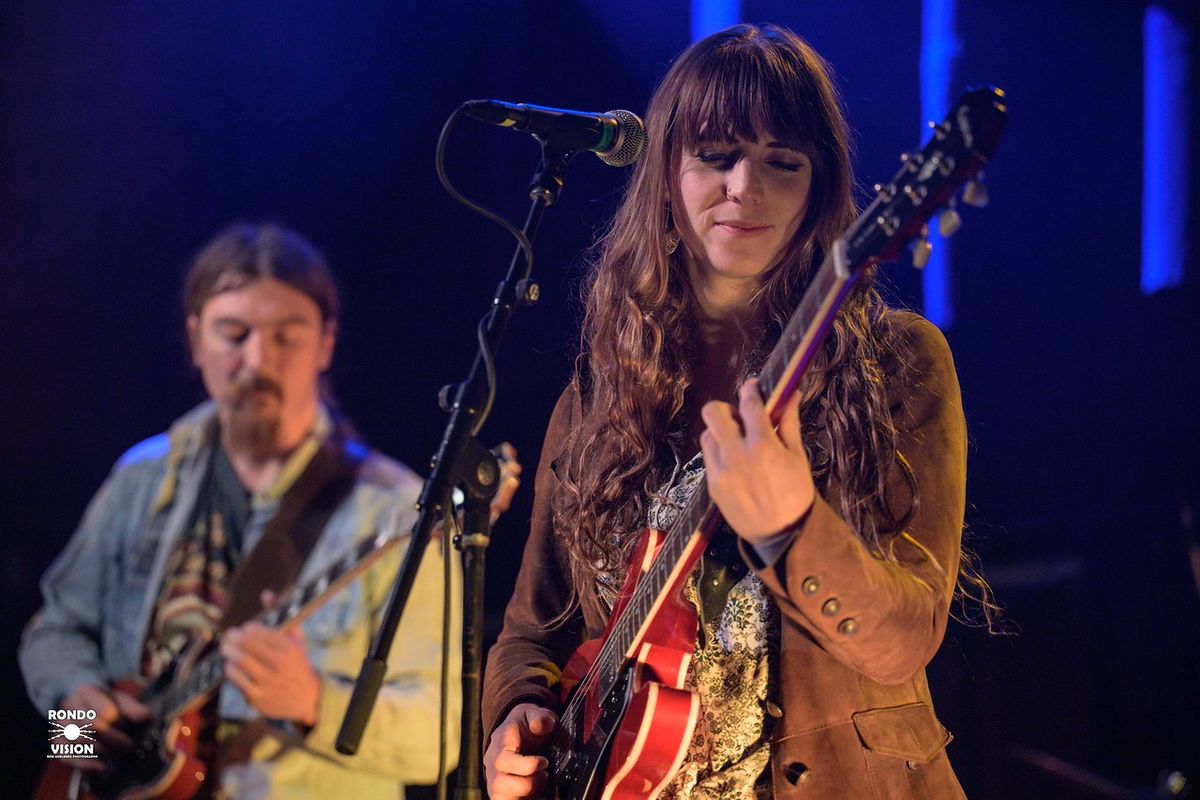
{"type": "Point", "coordinates": [710, 16]}
{"type": "Point", "coordinates": [940, 48]}
{"type": "Point", "coordinates": [1164, 150]}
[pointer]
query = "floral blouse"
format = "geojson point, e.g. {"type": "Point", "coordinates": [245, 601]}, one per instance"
{"type": "Point", "coordinates": [733, 671]}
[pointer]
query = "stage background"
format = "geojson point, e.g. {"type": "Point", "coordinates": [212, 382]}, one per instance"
{"type": "Point", "coordinates": [131, 132]}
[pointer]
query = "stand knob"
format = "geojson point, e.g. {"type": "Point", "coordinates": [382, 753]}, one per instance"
{"type": "Point", "coordinates": [528, 292]}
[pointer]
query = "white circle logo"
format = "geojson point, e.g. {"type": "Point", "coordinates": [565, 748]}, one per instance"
{"type": "Point", "coordinates": [71, 732]}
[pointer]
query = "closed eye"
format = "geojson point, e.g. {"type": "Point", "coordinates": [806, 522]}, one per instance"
{"type": "Point", "coordinates": [717, 158]}
{"type": "Point", "coordinates": [232, 332]}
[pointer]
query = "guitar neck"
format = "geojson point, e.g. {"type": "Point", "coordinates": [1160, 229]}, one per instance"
{"type": "Point", "coordinates": [208, 672]}
{"type": "Point", "coordinates": [806, 330]}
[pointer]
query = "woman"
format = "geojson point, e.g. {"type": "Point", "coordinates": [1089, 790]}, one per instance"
{"type": "Point", "coordinates": [821, 609]}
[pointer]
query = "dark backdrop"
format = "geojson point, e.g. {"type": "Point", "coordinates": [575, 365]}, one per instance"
{"type": "Point", "coordinates": [130, 133]}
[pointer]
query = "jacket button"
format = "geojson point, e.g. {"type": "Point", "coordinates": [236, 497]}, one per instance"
{"type": "Point", "coordinates": [773, 710]}
{"type": "Point", "coordinates": [832, 607]}
{"type": "Point", "coordinates": [797, 774]}
{"type": "Point", "coordinates": [848, 626]}
{"type": "Point", "coordinates": [810, 586]}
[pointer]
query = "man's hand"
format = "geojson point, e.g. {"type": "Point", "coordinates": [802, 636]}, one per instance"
{"type": "Point", "coordinates": [514, 769]}
{"type": "Point", "coordinates": [510, 479]}
{"type": "Point", "coordinates": [760, 479]}
{"type": "Point", "coordinates": [271, 668]}
{"type": "Point", "coordinates": [112, 707]}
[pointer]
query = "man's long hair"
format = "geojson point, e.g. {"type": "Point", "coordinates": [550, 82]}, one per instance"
{"type": "Point", "coordinates": [246, 251]}
{"type": "Point", "coordinates": [640, 332]}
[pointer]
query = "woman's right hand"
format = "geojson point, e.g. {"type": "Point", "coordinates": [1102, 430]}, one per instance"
{"type": "Point", "coordinates": [512, 761]}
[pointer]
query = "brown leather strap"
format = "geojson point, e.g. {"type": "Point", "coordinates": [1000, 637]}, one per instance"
{"type": "Point", "coordinates": [289, 537]}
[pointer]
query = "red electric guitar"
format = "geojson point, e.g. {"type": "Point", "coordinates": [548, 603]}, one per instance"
{"type": "Point", "coordinates": [627, 722]}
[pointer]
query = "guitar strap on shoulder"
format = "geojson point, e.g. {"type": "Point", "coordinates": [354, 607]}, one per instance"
{"type": "Point", "coordinates": [288, 537]}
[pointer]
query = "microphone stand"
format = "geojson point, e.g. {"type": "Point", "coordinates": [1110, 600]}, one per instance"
{"type": "Point", "coordinates": [460, 459]}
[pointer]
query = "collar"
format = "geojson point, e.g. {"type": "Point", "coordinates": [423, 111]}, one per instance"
{"type": "Point", "coordinates": [192, 436]}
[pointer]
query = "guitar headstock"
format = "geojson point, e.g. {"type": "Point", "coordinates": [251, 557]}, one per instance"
{"type": "Point", "coordinates": [961, 145]}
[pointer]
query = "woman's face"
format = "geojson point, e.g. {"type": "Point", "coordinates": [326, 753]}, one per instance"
{"type": "Point", "coordinates": [743, 201]}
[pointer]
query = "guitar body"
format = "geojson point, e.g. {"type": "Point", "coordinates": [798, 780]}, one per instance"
{"type": "Point", "coordinates": [637, 737]}
{"type": "Point", "coordinates": [171, 771]}
{"type": "Point", "coordinates": [167, 764]}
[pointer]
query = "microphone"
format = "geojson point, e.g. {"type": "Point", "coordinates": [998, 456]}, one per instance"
{"type": "Point", "coordinates": [617, 137]}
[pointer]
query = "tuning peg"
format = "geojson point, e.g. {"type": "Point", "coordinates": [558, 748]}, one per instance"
{"type": "Point", "coordinates": [921, 249]}
{"type": "Point", "coordinates": [949, 222]}
{"type": "Point", "coordinates": [975, 193]}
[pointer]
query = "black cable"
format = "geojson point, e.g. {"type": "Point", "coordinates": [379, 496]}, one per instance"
{"type": "Point", "coordinates": [485, 350]}
{"type": "Point", "coordinates": [489, 366]}
{"type": "Point", "coordinates": [516, 232]}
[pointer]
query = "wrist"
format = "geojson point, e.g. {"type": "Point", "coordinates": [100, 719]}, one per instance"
{"type": "Point", "coordinates": [769, 548]}
{"type": "Point", "coordinates": [312, 707]}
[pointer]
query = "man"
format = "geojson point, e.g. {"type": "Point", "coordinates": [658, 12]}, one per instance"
{"type": "Point", "coordinates": [241, 481]}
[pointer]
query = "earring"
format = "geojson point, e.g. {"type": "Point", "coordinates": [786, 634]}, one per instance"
{"type": "Point", "coordinates": [672, 242]}
{"type": "Point", "coordinates": [672, 238]}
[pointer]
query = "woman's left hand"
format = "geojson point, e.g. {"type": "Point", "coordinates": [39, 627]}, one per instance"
{"type": "Point", "coordinates": [759, 479]}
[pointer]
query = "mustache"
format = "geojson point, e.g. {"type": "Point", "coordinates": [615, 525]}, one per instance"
{"type": "Point", "coordinates": [248, 384]}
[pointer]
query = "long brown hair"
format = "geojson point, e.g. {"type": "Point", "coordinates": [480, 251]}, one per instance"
{"type": "Point", "coordinates": [639, 335]}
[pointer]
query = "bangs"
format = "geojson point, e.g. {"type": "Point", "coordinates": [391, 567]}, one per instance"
{"type": "Point", "coordinates": [749, 89]}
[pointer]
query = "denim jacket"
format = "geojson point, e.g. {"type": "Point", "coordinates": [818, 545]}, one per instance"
{"type": "Point", "coordinates": [99, 596]}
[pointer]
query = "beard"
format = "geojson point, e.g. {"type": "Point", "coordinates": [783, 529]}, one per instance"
{"type": "Point", "coordinates": [253, 421]}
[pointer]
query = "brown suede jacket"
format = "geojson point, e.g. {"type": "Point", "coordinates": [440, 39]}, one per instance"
{"type": "Point", "coordinates": [857, 629]}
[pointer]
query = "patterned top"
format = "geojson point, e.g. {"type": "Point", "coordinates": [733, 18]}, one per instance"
{"type": "Point", "coordinates": [195, 590]}
{"type": "Point", "coordinates": [734, 671]}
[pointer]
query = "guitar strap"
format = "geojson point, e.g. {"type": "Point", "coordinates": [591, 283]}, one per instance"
{"type": "Point", "coordinates": [288, 537]}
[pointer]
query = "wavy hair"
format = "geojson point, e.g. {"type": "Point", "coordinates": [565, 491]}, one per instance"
{"type": "Point", "coordinates": [640, 329]}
